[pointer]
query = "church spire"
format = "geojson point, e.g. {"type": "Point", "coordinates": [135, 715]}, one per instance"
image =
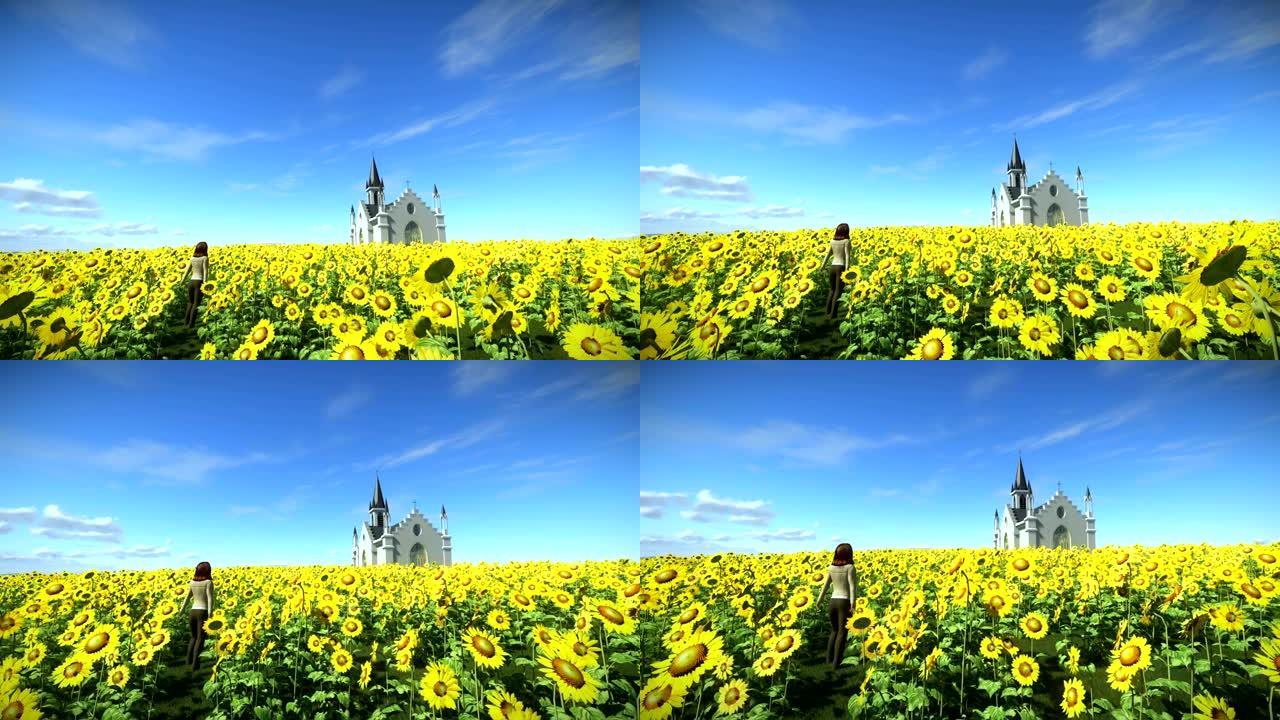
{"type": "Point", "coordinates": [378, 502]}
{"type": "Point", "coordinates": [1015, 158]}
{"type": "Point", "coordinates": [1020, 480]}
{"type": "Point", "coordinates": [375, 180]}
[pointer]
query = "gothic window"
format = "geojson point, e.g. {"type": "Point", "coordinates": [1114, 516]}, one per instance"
{"type": "Point", "coordinates": [410, 208]}
{"type": "Point", "coordinates": [1053, 190]}
{"type": "Point", "coordinates": [417, 555]}
{"type": "Point", "coordinates": [364, 558]}
{"type": "Point", "coordinates": [417, 529]}
{"type": "Point", "coordinates": [1006, 541]}
{"type": "Point", "coordinates": [1061, 511]}
{"type": "Point", "coordinates": [1002, 218]}
{"type": "Point", "coordinates": [362, 235]}
{"type": "Point", "coordinates": [412, 233]}
{"type": "Point", "coordinates": [1062, 537]}
{"type": "Point", "coordinates": [1054, 216]}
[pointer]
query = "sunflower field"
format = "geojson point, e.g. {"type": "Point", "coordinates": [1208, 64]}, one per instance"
{"type": "Point", "coordinates": [1106, 292]}
{"type": "Point", "coordinates": [515, 641]}
{"type": "Point", "coordinates": [504, 300]}
{"type": "Point", "coordinates": [1119, 632]}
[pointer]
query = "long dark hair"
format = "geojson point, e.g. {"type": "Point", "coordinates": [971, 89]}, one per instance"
{"type": "Point", "coordinates": [203, 571]}
{"type": "Point", "coordinates": [842, 232]}
{"type": "Point", "coordinates": [843, 555]}
{"type": "Point", "coordinates": [202, 247]}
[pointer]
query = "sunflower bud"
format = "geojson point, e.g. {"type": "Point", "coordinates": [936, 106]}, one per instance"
{"type": "Point", "coordinates": [1224, 266]}
{"type": "Point", "coordinates": [1170, 341]}
{"type": "Point", "coordinates": [439, 270]}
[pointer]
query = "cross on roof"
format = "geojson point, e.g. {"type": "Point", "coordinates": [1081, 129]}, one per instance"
{"type": "Point", "coordinates": [406, 182]}
{"type": "Point", "coordinates": [1050, 166]}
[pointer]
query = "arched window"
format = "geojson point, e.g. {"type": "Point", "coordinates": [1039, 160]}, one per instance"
{"type": "Point", "coordinates": [412, 233]}
{"type": "Point", "coordinates": [364, 558]}
{"type": "Point", "coordinates": [1001, 218]}
{"type": "Point", "coordinates": [417, 554]}
{"type": "Point", "coordinates": [1053, 190]}
{"type": "Point", "coordinates": [1006, 541]}
{"type": "Point", "coordinates": [1062, 537]}
{"type": "Point", "coordinates": [1054, 216]}
{"type": "Point", "coordinates": [1062, 511]}
{"type": "Point", "coordinates": [362, 235]}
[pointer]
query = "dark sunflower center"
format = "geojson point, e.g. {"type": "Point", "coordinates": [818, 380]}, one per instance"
{"type": "Point", "coordinates": [569, 673]}
{"type": "Point", "coordinates": [688, 660]}
{"type": "Point", "coordinates": [932, 349]}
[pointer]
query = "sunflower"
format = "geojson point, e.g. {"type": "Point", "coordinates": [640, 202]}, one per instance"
{"type": "Point", "coordinates": [583, 341]}
{"type": "Point", "coordinates": [731, 698]}
{"type": "Point", "coordinates": [118, 676]}
{"type": "Point", "coordinates": [572, 680]}
{"type": "Point", "coordinates": [247, 351]}
{"type": "Point", "coordinates": [439, 687]}
{"type": "Point", "coordinates": [354, 350]}
{"type": "Point", "coordinates": [73, 672]}
{"type": "Point", "coordinates": [1006, 312]}
{"type": "Point", "coordinates": [99, 643]}
{"type": "Point", "coordinates": [1035, 625]}
{"type": "Point", "coordinates": [860, 621]}
{"type": "Point", "coordinates": [1111, 288]}
{"type": "Point", "coordinates": [697, 653]}
{"type": "Point", "coordinates": [1269, 659]}
{"type": "Point", "coordinates": [209, 352]}
{"type": "Point", "coordinates": [382, 304]}
{"type": "Point", "coordinates": [1079, 301]}
{"type": "Point", "coordinates": [261, 334]}
{"type": "Point", "coordinates": [1168, 311]}
{"type": "Point", "coordinates": [1025, 670]}
{"type": "Point", "coordinates": [1209, 707]}
{"type": "Point", "coordinates": [659, 697]}
{"type": "Point", "coordinates": [341, 660]}
{"type": "Point", "coordinates": [389, 336]}
{"type": "Point", "coordinates": [9, 624]}
{"type": "Point", "coordinates": [936, 344]}
{"type": "Point", "coordinates": [785, 643]}
{"type": "Point", "coordinates": [1119, 678]}
{"type": "Point", "coordinates": [20, 704]}
{"type": "Point", "coordinates": [1073, 660]}
{"type": "Point", "coordinates": [1039, 333]}
{"type": "Point", "coordinates": [1134, 655]}
{"type": "Point", "coordinates": [1237, 319]}
{"type": "Point", "coordinates": [766, 665]}
{"type": "Point", "coordinates": [356, 294]}
{"type": "Point", "coordinates": [991, 647]}
{"type": "Point", "coordinates": [352, 627]}
{"type": "Point", "coordinates": [1120, 344]}
{"type": "Point", "coordinates": [484, 648]}
{"type": "Point", "coordinates": [763, 283]}
{"type": "Point", "coordinates": [1042, 286]}
{"type": "Point", "coordinates": [1073, 697]}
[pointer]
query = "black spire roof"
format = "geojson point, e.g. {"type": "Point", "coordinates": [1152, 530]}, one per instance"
{"type": "Point", "coordinates": [378, 501]}
{"type": "Point", "coordinates": [1015, 159]}
{"type": "Point", "coordinates": [1020, 482]}
{"type": "Point", "coordinates": [375, 180]}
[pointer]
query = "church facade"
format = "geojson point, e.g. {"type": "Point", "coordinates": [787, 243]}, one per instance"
{"type": "Point", "coordinates": [1057, 523]}
{"type": "Point", "coordinates": [412, 541]}
{"type": "Point", "coordinates": [1050, 201]}
{"type": "Point", "coordinates": [406, 220]}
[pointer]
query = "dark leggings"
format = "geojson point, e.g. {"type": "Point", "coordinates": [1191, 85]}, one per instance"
{"type": "Point", "coordinates": [196, 646]}
{"type": "Point", "coordinates": [838, 608]}
{"type": "Point", "coordinates": [835, 274]}
{"type": "Point", "coordinates": [193, 300]}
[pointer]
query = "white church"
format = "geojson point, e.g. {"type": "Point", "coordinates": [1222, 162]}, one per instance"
{"type": "Point", "coordinates": [412, 541]}
{"type": "Point", "coordinates": [1048, 202]}
{"type": "Point", "coordinates": [407, 220]}
{"type": "Point", "coordinates": [1057, 523]}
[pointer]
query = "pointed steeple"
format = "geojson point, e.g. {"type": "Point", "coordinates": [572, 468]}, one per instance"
{"type": "Point", "coordinates": [1015, 158]}
{"type": "Point", "coordinates": [1020, 481]}
{"type": "Point", "coordinates": [378, 501]}
{"type": "Point", "coordinates": [375, 180]}
{"type": "Point", "coordinates": [1088, 495]}
{"type": "Point", "coordinates": [442, 512]}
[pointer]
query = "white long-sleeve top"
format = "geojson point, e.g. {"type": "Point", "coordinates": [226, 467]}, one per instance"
{"type": "Point", "coordinates": [842, 579]}
{"type": "Point", "coordinates": [202, 595]}
{"type": "Point", "coordinates": [199, 267]}
{"type": "Point", "coordinates": [840, 252]}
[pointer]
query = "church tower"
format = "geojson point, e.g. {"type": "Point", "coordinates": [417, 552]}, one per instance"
{"type": "Point", "coordinates": [1021, 490]}
{"type": "Point", "coordinates": [1017, 171]}
{"type": "Point", "coordinates": [373, 187]}
{"type": "Point", "coordinates": [378, 510]}
{"type": "Point", "coordinates": [1089, 530]}
{"type": "Point", "coordinates": [447, 546]}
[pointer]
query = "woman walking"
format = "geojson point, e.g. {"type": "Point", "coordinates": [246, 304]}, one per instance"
{"type": "Point", "coordinates": [842, 578]}
{"type": "Point", "coordinates": [839, 257]}
{"type": "Point", "coordinates": [200, 595]}
{"type": "Point", "coordinates": [197, 270]}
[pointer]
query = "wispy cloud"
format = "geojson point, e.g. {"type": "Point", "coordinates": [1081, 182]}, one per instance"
{"type": "Point", "coordinates": [476, 433]}
{"type": "Point", "coordinates": [1172, 134]}
{"type": "Point", "coordinates": [1106, 97]}
{"type": "Point", "coordinates": [982, 65]}
{"type": "Point", "coordinates": [31, 196]}
{"type": "Point", "coordinates": [796, 122]}
{"type": "Point", "coordinates": [759, 23]}
{"type": "Point", "coordinates": [1117, 24]}
{"type": "Point", "coordinates": [488, 29]}
{"type": "Point", "coordinates": [683, 213]}
{"type": "Point", "coordinates": [810, 444]}
{"type": "Point", "coordinates": [460, 115]}
{"type": "Point", "coordinates": [986, 384]}
{"type": "Point", "coordinates": [680, 180]}
{"type": "Point", "coordinates": [709, 508]}
{"type": "Point", "coordinates": [347, 401]}
{"type": "Point", "coordinates": [783, 535]}
{"type": "Point", "coordinates": [654, 504]}
{"type": "Point", "coordinates": [22, 514]}
{"type": "Point", "coordinates": [346, 78]}
{"type": "Point", "coordinates": [164, 464]}
{"type": "Point", "coordinates": [172, 141]}
{"type": "Point", "coordinates": [469, 378]}
{"type": "Point", "coordinates": [1095, 423]}
{"type": "Point", "coordinates": [917, 170]}
{"type": "Point", "coordinates": [104, 30]}
{"type": "Point", "coordinates": [54, 523]}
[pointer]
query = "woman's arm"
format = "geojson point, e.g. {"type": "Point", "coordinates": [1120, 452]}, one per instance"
{"type": "Point", "coordinates": [186, 600]}
{"type": "Point", "coordinates": [825, 582]}
{"type": "Point", "coordinates": [828, 257]}
{"type": "Point", "coordinates": [853, 582]}
{"type": "Point", "coordinates": [210, 597]}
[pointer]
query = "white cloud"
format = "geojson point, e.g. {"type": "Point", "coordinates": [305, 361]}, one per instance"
{"type": "Point", "coordinates": [985, 385]}
{"type": "Point", "coordinates": [458, 116]}
{"type": "Point", "coordinates": [347, 77]}
{"type": "Point", "coordinates": [654, 504]}
{"type": "Point", "coordinates": [22, 514]}
{"type": "Point", "coordinates": [122, 228]}
{"type": "Point", "coordinates": [759, 23]}
{"type": "Point", "coordinates": [918, 169]}
{"type": "Point", "coordinates": [105, 30]}
{"type": "Point", "coordinates": [1103, 98]}
{"type": "Point", "coordinates": [347, 401]}
{"type": "Point", "coordinates": [166, 464]}
{"type": "Point", "coordinates": [707, 508]}
{"type": "Point", "coordinates": [31, 196]}
{"type": "Point", "coordinates": [470, 377]}
{"type": "Point", "coordinates": [982, 65]}
{"type": "Point", "coordinates": [479, 432]}
{"type": "Point", "coordinates": [488, 29]}
{"type": "Point", "coordinates": [5, 527]}
{"type": "Point", "coordinates": [682, 181]}
{"type": "Point", "coordinates": [784, 535]}
{"type": "Point", "coordinates": [809, 123]}
{"type": "Point", "coordinates": [685, 537]}
{"type": "Point", "coordinates": [34, 232]}
{"type": "Point", "coordinates": [1096, 423]}
{"type": "Point", "coordinates": [171, 141]}
{"type": "Point", "coordinates": [57, 524]}
{"type": "Point", "coordinates": [1118, 24]}
{"type": "Point", "coordinates": [595, 44]}
{"type": "Point", "coordinates": [616, 381]}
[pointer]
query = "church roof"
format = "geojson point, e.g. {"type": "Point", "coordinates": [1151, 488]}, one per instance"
{"type": "Point", "coordinates": [378, 501]}
{"type": "Point", "coordinates": [375, 180]}
{"type": "Point", "coordinates": [1019, 514]}
{"type": "Point", "coordinates": [1020, 480]}
{"type": "Point", "coordinates": [1015, 158]}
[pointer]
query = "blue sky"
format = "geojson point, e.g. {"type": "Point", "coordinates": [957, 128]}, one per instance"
{"type": "Point", "coordinates": [162, 464]}
{"type": "Point", "coordinates": [778, 115]}
{"type": "Point", "coordinates": [143, 124]}
{"type": "Point", "coordinates": [786, 456]}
